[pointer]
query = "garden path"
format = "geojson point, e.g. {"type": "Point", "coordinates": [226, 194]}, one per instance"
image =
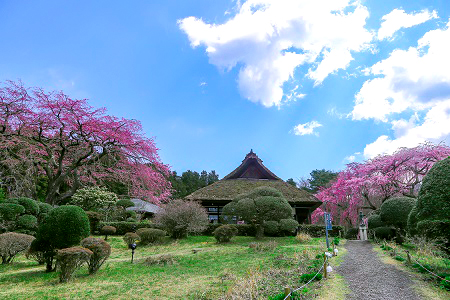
{"type": "Point", "coordinates": [369, 278]}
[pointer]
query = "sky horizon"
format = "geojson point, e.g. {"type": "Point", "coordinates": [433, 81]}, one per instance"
{"type": "Point", "coordinates": [306, 85]}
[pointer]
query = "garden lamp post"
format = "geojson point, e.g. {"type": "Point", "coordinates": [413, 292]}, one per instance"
{"type": "Point", "coordinates": [132, 246]}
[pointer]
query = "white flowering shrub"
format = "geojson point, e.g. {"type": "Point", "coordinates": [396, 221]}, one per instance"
{"type": "Point", "coordinates": [93, 198]}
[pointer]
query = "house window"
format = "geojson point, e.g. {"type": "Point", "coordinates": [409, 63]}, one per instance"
{"type": "Point", "coordinates": [213, 209]}
{"type": "Point", "coordinates": [213, 218]}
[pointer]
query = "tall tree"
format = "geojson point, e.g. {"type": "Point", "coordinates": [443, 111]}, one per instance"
{"type": "Point", "coordinates": [369, 184]}
{"type": "Point", "coordinates": [190, 181]}
{"type": "Point", "coordinates": [319, 179]}
{"type": "Point", "coordinates": [71, 143]}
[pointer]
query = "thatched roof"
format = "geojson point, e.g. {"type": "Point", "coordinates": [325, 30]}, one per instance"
{"type": "Point", "coordinates": [228, 189]}
{"type": "Point", "coordinates": [143, 206]}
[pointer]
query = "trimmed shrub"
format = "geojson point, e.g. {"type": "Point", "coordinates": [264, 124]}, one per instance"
{"type": "Point", "coordinates": [123, 227]}
{"type": "Point", "coordinates": [70, 259]}
{"type": "Point", "coordinates": [351, 233]}
{"type": "Point", "coordinates": [10, 211]}
{"type": "Point", "coordinates": [12, 243]}
{"type": "Point", "coordinates": [94, 219]}
{"type": "Point", "coordinates": [27, 222]}
{"type": "Point", "coordinates": [93, 198]}
{"type": "Point", "coordinates": [271, 228]}
{"type": "Point", "coordinates": [125, 203]}
{"type": "Point", "coordinates": [35, 252]}
{"type": "Point", "coordinates": [246, 229]}
{"type": "Point", "coordinates": [108, 230]}
{"type": "Point", "coordinates": [384, 233]}
{"type": "Point", "coordinates": [44, 209]}
{"type": "Point", "coordinates": [224, 233]}
{"type": "Point", "coordinates": [438, 230]}
{"type": "Point", "coordinates": [179, 218]}
{"type": "Point", "coordinates": [150, 235]}
{"type": "Point", "coordinates": [315, 230]}
{"type": "Point", "coordinates": [374, 221]}
{"type": "Point", "coordinates": [130, 238]}
{"type": "Point", "coordinates": [130, 214]}
{"type": "Point", "coordinates": [303, 238]}
{"type": "Point", "coordinates": [131, 220]}
{"type": "Point", "coordinates": [64, 227]}
{"type": "Point", "coordinates": [395, 211]}
{"type": "Point", "coordinates": [288, 226]}
{"type": "Point", "coordinates": [101, 250]}
{"type": "Point", "coordinates": [412, 221]}
{"type": "Point", "coordinates": [31, 206]}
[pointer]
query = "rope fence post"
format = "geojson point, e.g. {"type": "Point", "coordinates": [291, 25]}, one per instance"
{"type": "Point", "coordinates": [408, 258]}
{"type": "Point", "coordinates": [325, 265]}
{"type": "Point", "coordinates": [287, 291]}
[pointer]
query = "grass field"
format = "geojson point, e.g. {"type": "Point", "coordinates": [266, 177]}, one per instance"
{"type": "Point", "coordinates": [216, 271]}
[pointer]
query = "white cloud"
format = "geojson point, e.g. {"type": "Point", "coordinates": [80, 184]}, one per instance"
{"type": "Point", "coordinates": [416, 82]}
{"type": "Point", "coordinates": [398, 19]}
{"type": "Point", "coordinates": [307, 128]}
{"type": "Point", "coordinates": [267, 40]}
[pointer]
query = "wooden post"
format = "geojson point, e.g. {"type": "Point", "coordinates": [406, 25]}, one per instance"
{"type": "Point", "coordinates": [408, 258]}
{"type": "Point", "coordinates": [287, 291]}
{"type": "Point", "coordinates": [324, 265]}
{"type": "Point", "coordinates": [332, 248]}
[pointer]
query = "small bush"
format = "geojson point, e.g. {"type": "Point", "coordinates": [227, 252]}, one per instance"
{"type": "Point", "coordinates": [307, 277]}
{"type": "Point", "coordinates": [319, 230]}
{"type": "Point", "coordinates": [94, 219]}
{"type": "Point", "coordinates": [263, 247]}
{"type": "Point", "coordinates": [374, 221]}
{"type": "Point", "coordinates": [12, 243]}
{"type": "Point", "coordinates": [130, 238]}
{"type": "Point", "coordinates": [150, 235]}
{"type": "Point", "coordinates": [303, 238]}
{"type": "Point", "coordinates": [336, 241]}
{"type": "Point", "coordinates": [10, 211]}
{"type": "Point", "coordinates": [395, 211]}
{"type": "Point", "coordinates": [31, 206]}
{"type": "Point", "coordinates": [384, 233]}
{"type": "Point", "coordinates": [124, 227]}
{"type": "Point", "coordinates": [288, 226]}
{"type": "Point", "coordinates": [108, 230]}
{"type": "Point", "coordinates": [351, 233]}
{"type": "Point", "coordinates": [438, 230]}
{"type": "Point", "coordinates": [44, 209]}
{"type": "Point", "coordinates": [101, 250]}
{"type": "Point", "coordinates": [35, 252]}
{"type": "Point", "coordinates": [271, 228]}
{"type": "Point", "coordinates": [130, 214]}
{"type": "Point", "coordinates": [224, 233]}
{"type": "Point", "coordinates": [399, 258]}
{"type": "Point", "coordinates": [27, 222]}
{"type": "Point", "coordinates": [164, 260]}
{"type": "Point", "coordinates": [445, 284]}
{"type": "Point", "coordinates": [125, 203]}
{"type": "Point", "coordinates": [70, 259]}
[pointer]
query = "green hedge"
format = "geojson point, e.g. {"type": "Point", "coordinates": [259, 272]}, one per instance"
{"type": "Point", "coordinates": [315, 230]}
{"type": "Point", "coordinates": [29, 222]}
{"type": "Point", "coordinates": [124, 227]}
{"type": "Point", "coordinates": [374, 221]}
{"type": "Point", "coordinates": [384, 233]}
{"type": "Point", "coordinates": [10, 211]}
{"type": "Point", "coordinates": [395, 211]}
{"type": "Point", "coordinates": [31, 206]}
{"type": "Point", "coordinates": [436, 230]}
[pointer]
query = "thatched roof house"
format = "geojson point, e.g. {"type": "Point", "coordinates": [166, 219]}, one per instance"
{"type": "Point", "coordinates": [248, 176]}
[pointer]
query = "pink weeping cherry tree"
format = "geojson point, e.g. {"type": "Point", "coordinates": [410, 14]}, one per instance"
{"type": "Point", "coordinates": [365, 186]}
{"type": "Point", "coordinates": [70, 143]}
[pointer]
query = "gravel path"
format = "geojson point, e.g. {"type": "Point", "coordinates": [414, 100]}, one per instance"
{"type": "Point", "coordinates": [369, 278]}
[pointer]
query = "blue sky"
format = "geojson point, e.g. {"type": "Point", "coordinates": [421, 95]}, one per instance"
{"type": "Point", "coordinates": [305, 84]}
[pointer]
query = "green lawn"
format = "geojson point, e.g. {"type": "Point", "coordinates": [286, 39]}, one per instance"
{"type": "Point", "coordinates": [217, 270]}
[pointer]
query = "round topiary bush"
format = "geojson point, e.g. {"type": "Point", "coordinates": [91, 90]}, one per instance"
{"type": "Point", "coordinates": [224, 233]}
{"type": "Point", "coordinates": [70, 259]}
{"type": "Point", "coordinates": [412, 221]}
{"type": "Point", "coordinates": [374, 221]}
{"type": "Point", "coordinates": [36, 251]}
{"type": "Point", "coordinates": [31, 206]}
{"type": "Point", "coordinates": [27, 222]}
{"type": "Point", "coordinates": [351, 233]}
{"type": "Point", "coordinates": [44, 209]}
{"type": "Point", "coordinates": [395, 211]}
{"type": "Point", "coordinates": [64, 226]}
{"type": "Point", "coordinates": [108, 230]}
{"type": "Point", "coordinates": [130, 238]}
{"type": "Point", "coordinates": [101, 251]}
{"type": "Point", "coordinates": [384, 233]}
{"type": "Point", "coordinates": [10, 211]}
{"type": "Point", "coordinates": [150, 235]}
{"type": "Point", "coordinates": [271, 228]}
{"type": "Point", "coordinates": [288, 226]}
{"type": "Point", "coordinates": [130, 214]}
{"type": "Point", "coordinates": [12, 243]}
{"type": "Point", "coordinates": [94, 219]}
{"type": "Point", "coordinates": [125, 203]}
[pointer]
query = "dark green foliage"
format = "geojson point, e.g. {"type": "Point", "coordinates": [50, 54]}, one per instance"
{"type": "Point", "coordinates": [31, 206]}
{"type": "Point", "coordinates": [395, 211]}
{"type": "Point", "coordinates": [64, 226]}
{"type": "Point", "coordinates": [108, 230]}
{"type": "Point", "coordinates": [150, 235]}
{"type": "Point", "coordinates": [438, 230]}
{"type": "Point", "coordinates": [10, 211]}
{"type": "Point", "coordinates": [445, 284]}
{"type": "Point", "coordinates": [291, 182]}
{"type": "Point", "coordinates": [125, 203]}
{"type": "Point", "coordinates": [190, 181]}
{"type": "Point", "coordinates": [101, 250]}
{"type": "Point", "coordinates": [288, 226]}
{"type": "Point", "coordinates": [336, 241]}
{"type": "Point", "coordinates": [271, 228]}
{"type": "Point", "coordinates": [2, 195]}
{"type": "Point", "coordinates": [319, 178]}
{"type": "Point", "coordinates": [399, 258]}
{"type": "Point", "coordinates": [130, 238]}
{"type": "Point", "coordinates": [130, 214]}
{"type": "Point", "coordinates": [294, 296]}
{"type": "Point", "coordinates": [94, 219]}
{"type": "Point", "coordinates": [44, 208]}
{"type": "Point", "coordinates": [36, 252]}
{"type": "Point", "coordinates": [123, 227]}
{"type": "Point", "coordinates": [351, 233]}
{"type": "Point", "coordinates": [434, 195]}
{"type": "Point", "coordinates": [412, 221]}
{"type": "Point", "coordinates": [423, 269]}
{"type": "Point", "coordinates": [319, 230]}
{"type": "Point", "coordinates": [374, 221]}
{"type": "Point", "coordinates": [384, 233]}
{"type": "Point", "coordinates": [307, 277]}
{"type": "Point", "coordinates": [27, 222]}
{"type": "Point", "coordinates": [224, 233]}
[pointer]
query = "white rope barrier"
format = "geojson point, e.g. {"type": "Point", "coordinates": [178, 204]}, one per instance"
{"type": "Point", "coordinates": [426, 268]}
{"type": "Point", "coordinates": [320, 270]}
